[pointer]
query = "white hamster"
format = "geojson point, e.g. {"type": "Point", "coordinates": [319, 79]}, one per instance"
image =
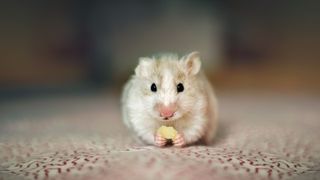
{"type": "Point", "coordinates": [172, 91]}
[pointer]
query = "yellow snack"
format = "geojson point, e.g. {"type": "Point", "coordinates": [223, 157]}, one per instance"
{"type": "Point", "coordinates": [167, 132]}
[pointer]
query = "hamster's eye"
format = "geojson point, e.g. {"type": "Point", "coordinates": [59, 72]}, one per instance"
{"type": "Point", "coordinates": [153, 87]}
{"type": "Point", "coordinates": [180, 87]}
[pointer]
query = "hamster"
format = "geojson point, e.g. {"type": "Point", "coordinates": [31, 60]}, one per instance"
{"type": "Point", "coordinates": [171, 91]}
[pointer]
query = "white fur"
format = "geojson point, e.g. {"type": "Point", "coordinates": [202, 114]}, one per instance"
{"type": "Point", "coordinates": [196, 116]}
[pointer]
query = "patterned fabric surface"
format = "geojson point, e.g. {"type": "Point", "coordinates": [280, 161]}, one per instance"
{"type": "Point", "coordinates": [261, 136]}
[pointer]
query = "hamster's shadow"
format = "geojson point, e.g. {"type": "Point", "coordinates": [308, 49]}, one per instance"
{"type": "Point", "coordinates": [222, 133]}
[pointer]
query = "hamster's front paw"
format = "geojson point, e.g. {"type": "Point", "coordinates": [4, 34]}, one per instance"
{"type": "Point", "coordinates": [159, 140]}
{"type": "Point", "coordinates": [179, 140]}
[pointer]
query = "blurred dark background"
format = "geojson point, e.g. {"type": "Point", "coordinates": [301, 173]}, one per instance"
{"type": "Point", "coordinates": [68, 46]}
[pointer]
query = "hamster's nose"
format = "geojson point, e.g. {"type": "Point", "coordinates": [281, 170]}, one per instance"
{"type": "Point", "coordinates": [167, 111]}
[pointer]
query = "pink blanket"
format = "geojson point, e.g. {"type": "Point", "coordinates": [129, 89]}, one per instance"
{"type": "Point", "coordinates": [261, 136]}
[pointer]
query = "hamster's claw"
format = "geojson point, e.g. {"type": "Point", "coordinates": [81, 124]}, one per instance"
{"type": "Point", "coordinates": [179, 140]}
{"type": "Point", "coordinates": [159, 140]}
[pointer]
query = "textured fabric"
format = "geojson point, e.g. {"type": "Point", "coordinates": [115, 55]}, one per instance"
{"type": "Point", "coordinates": [260, 137]}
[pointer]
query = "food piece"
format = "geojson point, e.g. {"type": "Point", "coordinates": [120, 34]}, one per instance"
{"type": "Point", "coordinates": [167, 132]}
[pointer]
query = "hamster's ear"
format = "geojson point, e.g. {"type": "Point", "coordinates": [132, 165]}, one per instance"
{"type": "Point", "coordinates": [143, 68]}
{"type": "Point", "coordinates": [192, 63]}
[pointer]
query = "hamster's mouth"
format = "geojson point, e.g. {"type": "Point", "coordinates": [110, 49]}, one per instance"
{"type": "Point", "coordinates": [170, 119]}
{"type": "Point", "coordinates": [166, 120]}
{"type": "Point", "coordinates": [174, 117]}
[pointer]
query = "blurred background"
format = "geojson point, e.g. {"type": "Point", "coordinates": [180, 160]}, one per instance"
{"type": "Point", "coordinates": [63, 64]}
{"type": "Point", "coordinates": [68, 46]}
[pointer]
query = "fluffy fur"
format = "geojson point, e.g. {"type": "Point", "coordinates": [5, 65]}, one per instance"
{"type": "Point", "coordinates": [196, 115]}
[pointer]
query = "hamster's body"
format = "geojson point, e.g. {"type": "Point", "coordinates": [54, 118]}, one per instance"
{"type": "Point", "coordinates": [173, 92]}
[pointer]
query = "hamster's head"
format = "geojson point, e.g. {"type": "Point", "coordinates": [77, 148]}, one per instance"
{"type": "Point", "coordinates": [169, 85]}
